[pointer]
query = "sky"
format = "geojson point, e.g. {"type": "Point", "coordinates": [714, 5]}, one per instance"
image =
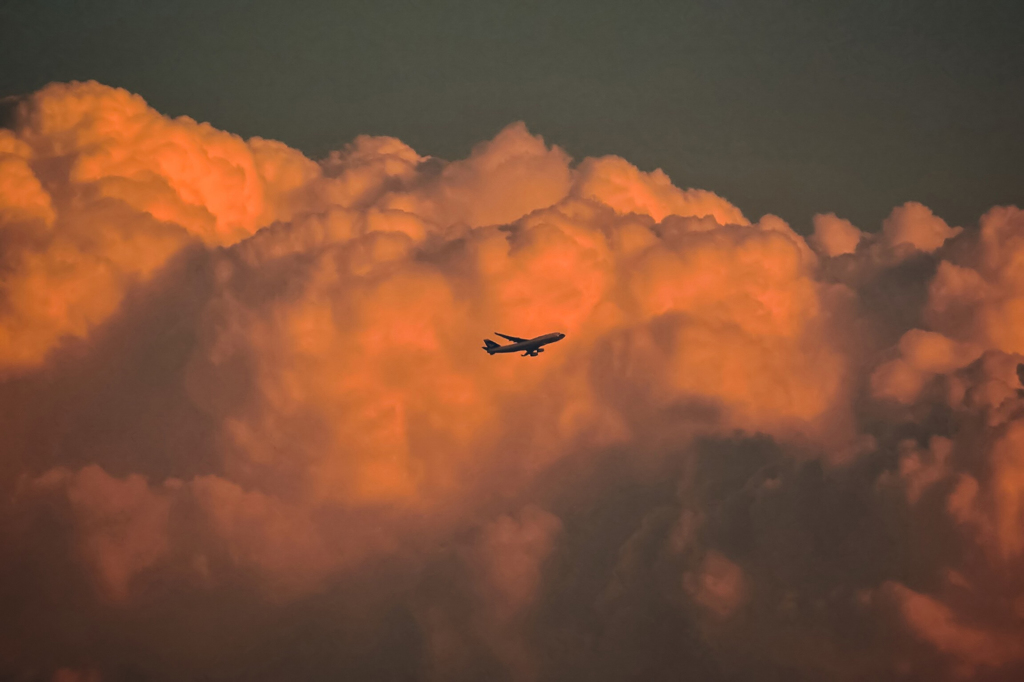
{"type": "Point", "coordinates": [249, 256]}
{"type": "Point", "coordinates": [791, 108]}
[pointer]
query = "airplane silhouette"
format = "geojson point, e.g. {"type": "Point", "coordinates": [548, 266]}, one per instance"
{"type": "Point", "coordinates": [530, 346]}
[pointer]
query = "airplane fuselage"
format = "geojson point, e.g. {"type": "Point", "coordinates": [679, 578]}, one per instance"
{"type": "Point", "coordinates": [525, 346]}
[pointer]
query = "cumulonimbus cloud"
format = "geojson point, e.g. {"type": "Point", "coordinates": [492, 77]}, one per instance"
{"type": "Point", "coordinates": [238, 374]}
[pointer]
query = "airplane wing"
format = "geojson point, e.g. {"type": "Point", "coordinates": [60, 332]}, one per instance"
{"type": "Point", "coordinates": [513, 339]}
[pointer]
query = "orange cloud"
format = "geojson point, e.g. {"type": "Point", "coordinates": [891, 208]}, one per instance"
{"type": "Point", "coordinates": [981, 300]}
{"type": "Point", "coordinates": [306, 404]}
{"type": "Point", "coordinates": [915, 224]}
{"type": "Point", "coordinates": [717, 586]}
{"type": "Point", "coordinates": [122, 524]}
{"type": "Point", "coordinates": [502, 180]}
{"type": "Point", "coordinates": [934, 623]}
{"type": "Point", "coordinates": [104, 191]}
{"type": "Point", "coordinates": [923, 354]}
{"type": "Point", "coordinates": [616, 183]}
{"type": "Point", "coordinates": [834, 236]}
{"type": "Point", "coordinates": [350, 319]}
{"type": "Point", "coordinates": [509, 558]}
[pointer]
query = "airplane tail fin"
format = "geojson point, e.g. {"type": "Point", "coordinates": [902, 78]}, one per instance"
{"type": "Point", "coordinates": [490, 346]}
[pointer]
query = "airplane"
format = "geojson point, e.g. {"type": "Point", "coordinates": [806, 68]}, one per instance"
{"type": "Point", "coordinates": [530, 346]}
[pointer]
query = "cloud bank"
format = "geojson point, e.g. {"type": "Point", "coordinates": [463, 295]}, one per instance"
{"type": "Point", "coordinates": [248, 432]}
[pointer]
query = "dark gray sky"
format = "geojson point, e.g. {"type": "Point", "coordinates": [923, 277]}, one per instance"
{"type": "Point", "coordinates": [785, 107]}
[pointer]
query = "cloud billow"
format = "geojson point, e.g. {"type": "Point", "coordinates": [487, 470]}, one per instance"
{"type": "Point", "coordinates": [248, 427]}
